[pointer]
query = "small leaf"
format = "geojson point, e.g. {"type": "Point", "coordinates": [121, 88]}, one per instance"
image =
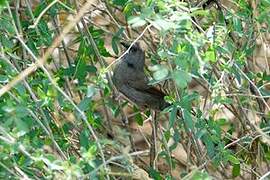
{"type": "Point", "coordinates": [136, 22]}
{"type": "Point", "coordinates": [209, 145]}
{"type": "Point", "coordinates": [115, 111]}
{"type": "Point", "coordinates": [161, 72]}
{"type": "Point", "coordinates": [2, 3]}
{"type": "Point", "coordinates": [115, 45]}
{"type": "Point", "coordinates": [6, 25]}
{"type": "Point", "coordinates": [138, 116]}
{"type": "Point", "coordinates": [155, 174]}
{"type": "Point", "coordinates": [210, 33]}
{"type": "Point", "coordinates": [210, 55]}
{"type": "Point", "coordinates": [91, 91]}
{"type": "Point", "coordinates": [238, 26]}
{"type": "Point", "coordinates": [3, 79]}
{"type": "Point", "coordinates": [32, 45]}
{"type": "Point", "coordinates": [80, 72]}
{"type": "Point", "coordinates": [84, 104]}
{"type": "Point", "coordinates": [120, 2]}
{"type": "Point", "coordinates": [115, 40]}
{"type": "Point", "coordinates": [188, 119]}
{"type": "Point", "coordinates": [106, 91]}
{"type": "Point", "coordinates": [167, 135]}
{"type": "Point", "coordinates": [46, 35]}
{"type": "Point", "coordinates": [233, 159]}
{"type": "Point", "coordinates": [84, 139]}
{"type": "Point", "coordinates": [6, 42]}
{"type": "Point", "coordinates": [236, 170]}
{"type": "Point", "coordinates": [91, 69]}
{"type": "Point", "coordinates": [181, 78]}
{"type": "Point", "coordinates": [21, 125]}
{"type": "Point", "coordinates": [162, 24]}
{"type": "Point", "coordinates": [172, 116]}
{"type": "Point", "coordinates": [200, 175]}
{"type": "Point", "coordinates": [68, 71]}
{"type": "Point", "coordinates": [198, 12]}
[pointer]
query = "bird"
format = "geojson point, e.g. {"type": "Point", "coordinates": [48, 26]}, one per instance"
{"type": "Point", "coordinates": [130, 79]}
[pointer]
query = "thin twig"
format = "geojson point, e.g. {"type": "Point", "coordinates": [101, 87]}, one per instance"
{"type": "Point", "coordinates": [255, 87]}
{"type": "Point", "coordinates": [119, 58]}
{"type": "Point", "coordinates": [118, 158]}
{"type": "Point", "coordinates": [42, 13]}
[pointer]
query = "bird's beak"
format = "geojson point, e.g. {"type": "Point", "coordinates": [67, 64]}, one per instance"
{"type": "Point", "coordinates": [126, 45]}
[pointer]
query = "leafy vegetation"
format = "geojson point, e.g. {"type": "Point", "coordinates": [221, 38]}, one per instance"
{"type": "Point", "coordinates": [61, 117]}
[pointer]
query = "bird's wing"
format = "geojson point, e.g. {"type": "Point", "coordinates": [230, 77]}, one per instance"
{"type": "Point", "coordinates": [142, 85]}
{"type": "Point", "coordinates": [138, 84]}
{"type": "Point", "coordinates": [148, 98]}
{"type": "Point", "coordinates": [155, 91]}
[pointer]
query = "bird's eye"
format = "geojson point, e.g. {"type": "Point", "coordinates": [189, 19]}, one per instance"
{"type": "Point", "coordinates": [130, 65]}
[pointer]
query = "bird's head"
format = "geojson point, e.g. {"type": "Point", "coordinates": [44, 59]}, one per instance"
{"type": "Point", "coordinates": [135, 56]}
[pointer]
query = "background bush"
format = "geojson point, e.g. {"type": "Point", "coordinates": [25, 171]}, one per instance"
{"type": "Point", "coordinates": [61, 118]}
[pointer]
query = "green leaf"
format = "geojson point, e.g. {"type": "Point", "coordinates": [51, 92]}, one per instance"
{"type": "Point", "coordinates": [160, 72]}
{"type": "Point", "coordinates": [21, 125]}
{"type": "Point", "coordinates": [91, 69]}
{"type": "Point", "coordinates": [187, 100]}
{"type": "Point", "coordinates": [136, 21]}
{"type": "Point", "coordinates": [46, 34]}
{"type": "Point", "coordinates": [138, 116]}
{"type": "Point", "coordinates": [210, 55]}
{"type": "Point", "coordinates": [85, 104]}
{"type": "Point", "coordinates": [91, 91]}
{"type": "Point", "coordinates": [3, 79]}
{"type": "Point", "coordinates": [200, 175]}
{"type": "Point", "coordinates": [6, 25]}
{"type": "Point", "coordinates": [181, 78]}
{"type": "Point", "coordinates": [198, 12]}
{"type": "Point", "coordinates": [41, 6]}
{"type": "Point", "coordinates": [7, 43]}
{"type": "Point", "coordinates": [2, 3]}
{"type": "Point", "coordinates": [84, 139]}
{"type": "Point", "coordinates": [32, 45]}
{"type": "Point", "coordinates": [233, 159]}
{"type": "Point", "coordinates": [162, 24]}
{"type": "Point", "coordinates": [188, 119]}
{"type": "Point", "coordinates": [80, 72]}
{"type": "Point", "coordinates": [115, 40]}
{"type": "Point", "coordinates": [223, 100]}
{"type": "Point", "coordinates": [120, 2]}
{"type": "Point", "coordinates": [237, 23]}
{"type": "Point", "coordinates": [69, 72]}
{"type": "Point", "coordinates": [115, 45]}
{"type": "Point", "coordinates": [167, 135]}
{"type": "Point", "coordinates": [155, 174]}
{"type": "Point", "coordinates": [236, 170]}
{"type": "Point", "coordinates": [172, 117]}
{"type": "Point", "coordinates": [115, 111]}
{"type": "Point", "coordinates": [106, 91]}
{"type": "Point", "coordinates": [209, 145]}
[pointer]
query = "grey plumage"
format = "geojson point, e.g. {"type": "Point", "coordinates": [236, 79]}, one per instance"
{"type": "Point", "coordinates": [129, 78]}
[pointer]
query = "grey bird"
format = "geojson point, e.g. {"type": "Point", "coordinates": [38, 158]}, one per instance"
{"type": "Point", "coordinates": [130, 79]}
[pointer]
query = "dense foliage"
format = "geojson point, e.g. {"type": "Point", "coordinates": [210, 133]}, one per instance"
{"type": "Point", "coordinates": [61, 117]}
